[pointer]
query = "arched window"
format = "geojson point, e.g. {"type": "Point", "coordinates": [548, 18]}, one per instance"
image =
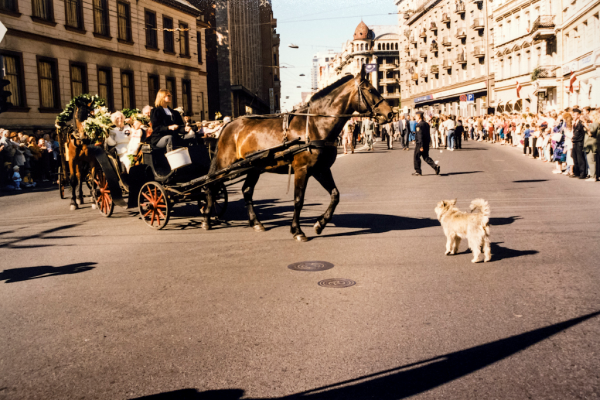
{"type": "Point", "coordinates": [362, 47]}
{"type": "Point", "coordinates": [378, 46]}
{"type": "Point", "coordinates": [388, 46]}
{"type": "Point", "coordinates": [396, 46]}
{"type": "Point", "coordinates": [367, 46]}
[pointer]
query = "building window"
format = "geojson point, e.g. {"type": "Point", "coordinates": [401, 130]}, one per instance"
{"type": "Point", "coordinates": [74, 14]}
{"type": "Point", "coordinates": [153, 86]}
{"type": "Point", "coordinates": [124, 21]}
{"type": "Point", "coordinates": [171, 87]}
{"type": "Point", "coordinates": [48, 84]}
{"type": "Point", "coordinates": [42, 9]}
{"type": "Point", "coordinates": [101, 26]}
{"type": "Point", "coordinates": [396, 46]}
{"type": "Point", "coordinates": [13, 72]}
{"type": "Point", "coordinates": [378, 46]}
{"type": "Point", "coordinates": [127, 89]}
{"type": "Point", "coordinates": [78, 79]}
{"type": "Point", "coordinates": [168, 36]}
{"type": "Point", "coordinates": [186, 89]}
{"type": "Point", "coordinates": [151, 33]}
{"type": "Point", "coordinates": [105, 86]}
{"type": "Point", "coordinates": [184, 43]}
{"type": "Point", "coordinates": [199, 45]}
{"type": "Point", "coordinates": [10, 6]}
{"type": "Point", "coordinates": [202, 105]}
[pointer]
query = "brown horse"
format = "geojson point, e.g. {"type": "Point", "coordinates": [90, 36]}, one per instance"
{"type": "Point", "coordinates": [329, 110]}
{"type": "Point", "coordinates": [80, 161]}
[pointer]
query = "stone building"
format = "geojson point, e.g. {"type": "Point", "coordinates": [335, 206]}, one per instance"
{"type": "Point", "coordinates": [247, 55]}
{"type": "Point", "coordinates": [377, 44]}
{"type": "Point", "coordinates": [444, 52]}
{"type": "Point", "coordinates": [124, 51]}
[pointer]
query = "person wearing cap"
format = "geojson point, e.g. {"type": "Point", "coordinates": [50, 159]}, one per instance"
{"type": "Point", "coordinates": [422, 141]}
{"type": "Point", "coordinates": [579, 162]}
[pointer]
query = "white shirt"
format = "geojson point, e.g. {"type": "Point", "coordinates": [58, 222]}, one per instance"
{"type": "Point", "coordinates": [167, 111]}
{"type": "Point", "coordinates": [449, 124]}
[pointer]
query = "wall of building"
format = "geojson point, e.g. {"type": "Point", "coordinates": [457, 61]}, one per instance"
{"type": "Point", "coordinates": [29, 40]}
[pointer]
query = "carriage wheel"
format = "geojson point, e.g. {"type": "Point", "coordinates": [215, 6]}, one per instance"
{"type": "Point", "coordinates": [102, 196]}
{"type": "Point", "coordinates": [220, 200]}
{"type": "Point", "coordinates": [61, 183]}
{"type": "Point", "coordinates": [154, 205]}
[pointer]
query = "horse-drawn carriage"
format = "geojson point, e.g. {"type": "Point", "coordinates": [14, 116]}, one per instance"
{"type": "Point", "coordinates": [302, 142]}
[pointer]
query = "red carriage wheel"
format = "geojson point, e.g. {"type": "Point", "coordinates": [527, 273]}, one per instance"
{"type": "Point", "coordinates": [154, 205]}
{"type": "Point", "coordinates": [102, 196]}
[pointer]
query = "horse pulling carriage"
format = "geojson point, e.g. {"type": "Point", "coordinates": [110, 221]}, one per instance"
{"type": "Point", "coordinates": [302, 142]}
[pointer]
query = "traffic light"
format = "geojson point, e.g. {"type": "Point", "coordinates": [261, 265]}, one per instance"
{"type": "Point", "coordinates": [4, 95]}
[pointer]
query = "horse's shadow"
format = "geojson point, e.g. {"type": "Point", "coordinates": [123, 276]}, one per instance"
{"type": "Point", "coordinates": [43, 271]}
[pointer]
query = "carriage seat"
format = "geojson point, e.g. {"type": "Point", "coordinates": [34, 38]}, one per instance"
{"type": "Point", "coordinates": [156, 160]}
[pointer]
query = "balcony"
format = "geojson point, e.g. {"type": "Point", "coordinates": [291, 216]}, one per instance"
{"type": "Point", "coordinates": [388, 81]}
{"type": "Point", "coordinates": [412, 40]}
{"type": "Point", "coordinates": [391, 95]}
{"type": "Point", "coordinates": [276, 40]}
{"type": "Point", "coordinates": [407, 49]}
{"type": "Point", "coordinates": [433, 26]}
{"type": "Point", "coordinates": [411, 70]}
{"type": "Point", "coordinates": [445, 18]}
{"type": "Point", "coordinates": [407, 14]}
{"type": "Point", "coordinates": [433, 48]}
{"type": "Point", "coordinates": [479, 51]}
{"type": "Point", "coordinates": [460, 8]}
{"type": "Point", "coordinates": [423, 72]}
{"type": "Point", "coordinates": [461, 32]}
{"type": "Point", "coordinates": [477, 1]}
{"type": "Point", "coordinates": [414, 77]}
{"type": "Point", "coordinates": [461, 59]}
{"type": "Point", "coordinates": [446, 41]}
{"type": "Point", "coordinates": [478, 23]}
{"type": "Point", "coordinates": [423, 34]}
{"type": "Point", "coordinates": [543, 27]}
{"type": "Point", "coordinates": [446, 64]}
{"type": "Point", "coordinates": [547, 71]}
{"type": "Point", "coordinates": [412, 58]}
{"type": "Point", "coordinates": [385, 67]}
{"type": "Point", "coordinates": [407, 32]}
{"type": "Point", "coordinates": [423, 53]}
{"type": "Point", "coordinates": [434, 69]}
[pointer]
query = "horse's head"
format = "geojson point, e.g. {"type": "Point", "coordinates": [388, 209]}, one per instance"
{"type": "Point", "coordinates": [82, 112]}
{"type": "Point", "coordinates": [370, 101]}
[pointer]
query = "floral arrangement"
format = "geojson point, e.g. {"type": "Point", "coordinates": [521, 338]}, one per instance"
{"type": "Point", "coordinates": [129, 112]}
{"type": "Point", "coordinates": [218, 115]}
{"type": "Point", "coordinates": [81, 100]}
{"type": "Point", "coordinates": [97, 126]}
{"type": "Point", "coordinates": [140, 117]}
{"type": "Point", "coordinates": [180, 111]}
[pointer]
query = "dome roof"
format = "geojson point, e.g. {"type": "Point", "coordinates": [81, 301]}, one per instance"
{"type": "Point", "coordinates": [361, 31]}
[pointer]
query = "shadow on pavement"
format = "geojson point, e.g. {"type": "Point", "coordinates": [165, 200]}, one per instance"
{"type": "Point", "coordinates": [531, 180]}
{"type": "Point", "coordinates": [406, 380]}
{"type": "Point", "coordinates": [503, 221]}
{"type": "Point", "coordinates": [460, 173]}
{"type": "Point", "coordinates": [29, 273]}
{"type": "Point", "coordinates": [501, 253]}
{"type": "Point", "coordinates": [377, 223]}
{"type": "Point", "coordinates": [13, 243]}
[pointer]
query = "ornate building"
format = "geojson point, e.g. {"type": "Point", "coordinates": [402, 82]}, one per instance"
{"type": "Point", "coordinates": [377, 44]}
{"type": "Point", "coordinates": [124, 51]}
{"type": "Point", "coordinates": [445, 56]}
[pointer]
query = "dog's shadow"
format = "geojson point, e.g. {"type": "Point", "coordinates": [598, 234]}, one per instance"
{"type": "Point", "coordinates": [502, 253]}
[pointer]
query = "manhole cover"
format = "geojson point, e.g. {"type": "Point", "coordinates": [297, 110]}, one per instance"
{"type": "Point", "coordinates": [311, 266]}
{"type": "Point", "coordinates": [337, 283]}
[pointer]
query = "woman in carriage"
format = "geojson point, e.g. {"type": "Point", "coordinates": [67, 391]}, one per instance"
{"type": "Point", "coordinates": [167, 124]}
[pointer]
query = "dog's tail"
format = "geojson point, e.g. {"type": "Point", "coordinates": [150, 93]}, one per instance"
{"type": "Point", "coordinates": [482, 207]}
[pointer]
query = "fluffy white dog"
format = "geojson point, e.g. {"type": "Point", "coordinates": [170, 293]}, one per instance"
{"type": "Point", "coordinates": [473, 226]}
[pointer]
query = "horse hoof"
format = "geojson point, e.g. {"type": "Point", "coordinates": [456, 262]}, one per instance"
{"type": "Point", "coordinates": [318, 228]}
{"type": "Point", "coordinates": [259, 228]}
{"type": "Point", "coordinates": [206, 226]}
{"type": "Point", "coordinates": [94, 206]}
{"type": "Point", "coordinates": [301, 238]}
{"type": "Point", "coordinates": [73, 207]}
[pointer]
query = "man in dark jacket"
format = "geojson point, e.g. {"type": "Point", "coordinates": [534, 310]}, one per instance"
{"type": "Point", "coordinates": [405, 131]}
{"type": "Point", "coordinates": [422, 141]}
{"type": "Point", "coordinates": [458, 134]}
{"type": "Point", "coordinates": [579, 163]}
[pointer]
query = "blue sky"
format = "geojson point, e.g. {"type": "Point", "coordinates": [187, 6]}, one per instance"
{"type": "Point", "coordinates": [319, 25]}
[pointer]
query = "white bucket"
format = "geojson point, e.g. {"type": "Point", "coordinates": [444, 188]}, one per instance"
{"type": "Point", "coordinates": [179, 158]}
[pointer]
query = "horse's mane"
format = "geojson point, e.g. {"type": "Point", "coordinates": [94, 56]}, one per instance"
{"type": "Point", "coordinates": [325, 91]}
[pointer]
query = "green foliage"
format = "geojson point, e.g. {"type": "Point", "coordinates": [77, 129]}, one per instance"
{"type": "Point", "coordinates": [97, 126]}
{"type": "Point", "coordinates": [81, 100]}
{"type": "Point", "coordinates": [535, 75]}
{"type": "Point", "coordinates": [128, 112]}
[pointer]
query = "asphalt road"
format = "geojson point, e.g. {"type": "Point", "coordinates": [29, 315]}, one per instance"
{"type": "Point", "coordinates": [106, 308]}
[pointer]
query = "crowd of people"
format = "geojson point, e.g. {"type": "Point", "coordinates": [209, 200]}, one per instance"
{"type": "Point", "coordinates": [568, 139]}
{"type": "Point", "coordinates": [30, 160]}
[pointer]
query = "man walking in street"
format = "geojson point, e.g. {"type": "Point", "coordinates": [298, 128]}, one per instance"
{"type": "Point", "coordinates": [579, 162]}
{"type": "Point", "coordinates": [405, 131]}
{"type": "Point", "coordinates": [368, 130]}
{"type": "Point", "coordinates": [422, 141]}
{"type": "Point", "coordinates": [355, 134]}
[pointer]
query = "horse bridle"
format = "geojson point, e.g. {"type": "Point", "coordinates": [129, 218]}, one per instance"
{"type": "Point", "coordinates": [361, 98]}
